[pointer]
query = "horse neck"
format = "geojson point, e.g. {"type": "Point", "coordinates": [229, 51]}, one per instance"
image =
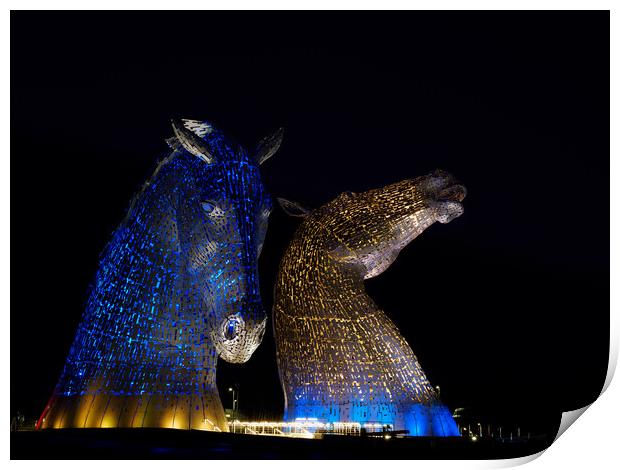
{"type": "Point", "coordinates": [312, 286]}
{"type": "Point", "coordinates": [315, 274]}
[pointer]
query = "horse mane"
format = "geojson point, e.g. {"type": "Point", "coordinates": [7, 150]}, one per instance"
{"type": "Point", "coordinates": [132, 308]}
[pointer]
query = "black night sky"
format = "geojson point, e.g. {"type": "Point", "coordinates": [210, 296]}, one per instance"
{"type": "Point", "coordinates": [507, 307]}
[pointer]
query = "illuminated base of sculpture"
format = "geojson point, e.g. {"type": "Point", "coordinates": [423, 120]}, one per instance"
{"type": "Point", "coordinates": [137, 411]}
{"type": "Point", "coordinates": [419, 419]}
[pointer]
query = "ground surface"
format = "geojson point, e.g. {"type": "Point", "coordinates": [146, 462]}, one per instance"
{"type": "Point", "coordinates": [178, 444]}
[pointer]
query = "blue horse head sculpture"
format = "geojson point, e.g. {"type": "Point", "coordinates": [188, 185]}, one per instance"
{"type": "Point", "coordinates": [177, 287]}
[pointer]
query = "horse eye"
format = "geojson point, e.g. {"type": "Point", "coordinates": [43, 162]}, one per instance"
{"type": "Point", "coordinates": [230, 329]}
{"type": "Point", "coordinates": [208, 206]}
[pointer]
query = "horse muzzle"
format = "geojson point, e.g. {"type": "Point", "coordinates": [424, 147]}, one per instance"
{"type": "Point", "coordinates": [241, 332]}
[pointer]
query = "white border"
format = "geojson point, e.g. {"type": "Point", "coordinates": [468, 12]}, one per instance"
{"type": "Point", "coordinates": [311, 5]}
{"type": "Point", "coordinates": [593, 443]}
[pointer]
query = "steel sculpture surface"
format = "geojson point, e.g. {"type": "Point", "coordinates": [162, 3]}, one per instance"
{"type": "Point", "coordinates": [340, 358]}
{"type": "Point", "coordinates": [177, 286]}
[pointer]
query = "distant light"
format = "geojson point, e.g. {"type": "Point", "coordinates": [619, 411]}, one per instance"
{"type": "Point", "coordinates": [228, 416]}
{"type": "Point", "coordinates": [474, 438]}
{"type": "Point", "coordinates": [387, 436]}
{"type": "Point", "coordinates": [230, 389]}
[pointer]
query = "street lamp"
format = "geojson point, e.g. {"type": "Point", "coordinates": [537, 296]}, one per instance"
{"type": "Point", "coordinates": [235, 405]}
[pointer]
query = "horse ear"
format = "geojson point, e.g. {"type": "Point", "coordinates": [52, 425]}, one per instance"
{"type": "Point", "coordinates": [191, 142]}
{"type": "Point", "coordinates": [267, 147]}
{"type": "Point", "coordinates": [293, 208]}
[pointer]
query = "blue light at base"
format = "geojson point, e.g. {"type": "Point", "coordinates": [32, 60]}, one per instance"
{"type": "Point", "coordinates": [419, 419]}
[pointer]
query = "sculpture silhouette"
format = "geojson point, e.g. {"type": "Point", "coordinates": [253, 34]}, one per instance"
{"type": "Point", "coordinates": [177, 286]}
{"type": "Point", "coordinates": [340, 358]}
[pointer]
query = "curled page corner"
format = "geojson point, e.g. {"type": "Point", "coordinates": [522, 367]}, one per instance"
{"type": "Point", "coordinates": [568, 418]}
